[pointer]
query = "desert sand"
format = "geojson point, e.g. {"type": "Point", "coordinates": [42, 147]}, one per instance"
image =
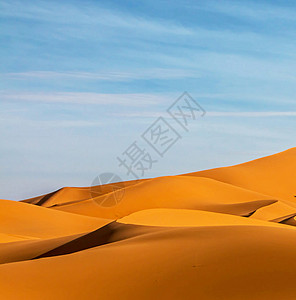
{"type": "Point", "coordinates": [225, 233]}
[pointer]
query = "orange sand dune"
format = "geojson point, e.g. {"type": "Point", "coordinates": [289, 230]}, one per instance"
{"type": "Point", "coordinates": [289, 221]}
{"type": "Point", "coordinates": [273, 175]}
{"type": "Point", "coordinates": [229, 262]}
{"type": "Point", "coordinates": [31, 221]}
{"type": "Point", "coordinates": [277, 211]}
{"type": "Point", "coordinates": [190, 218]}
{"type": "Point", "coordinates": [151, 221]}
{"type": "Point", "coordinates": [227, 233]}
{"type": "Point", "coordinates": [110, 233]}
{"type": "Point", "coordinates": [186, 192]}
{"type": "Point", "coordinates": [31, 248]}
{"type": "Point", "coordinates": [74, 194]}
{"type": "Point", "coordinates": [6, 238]}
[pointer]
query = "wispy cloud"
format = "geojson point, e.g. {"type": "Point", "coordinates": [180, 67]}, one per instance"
{"type": "Point", "coordinates": [253, 114]}
{"type": "Point", "coordinates": [242, 114]}
{"type": "Point", "coordinates": [139, 114]}
{"type": "Point", "coordinates": [147, 74]}
{"type": "Point", "coordinates": [49, 123]}
{"type": "Point", "coordinates": [230, 65]}
{"type": "Point", "coordinates": [251, 10]}
{"type": "Point", "coordinates": [85, 98]}
{"type": "Point", "coordinates": [88, 14]}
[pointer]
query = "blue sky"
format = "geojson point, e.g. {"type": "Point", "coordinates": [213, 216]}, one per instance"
{"type": "Point", "coordinates": [81, 80]}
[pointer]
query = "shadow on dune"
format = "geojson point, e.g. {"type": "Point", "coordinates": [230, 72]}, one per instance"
{"type": "Point", "coordinates": [110, 233]}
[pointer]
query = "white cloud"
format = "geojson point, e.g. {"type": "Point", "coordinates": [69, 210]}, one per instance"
{"type": "Point", "coordinates": [85, 98]}
{"type": "Point", "coordinates": [88, 14]}
{"type": "Point", "coordinates": [140, 114]}
{"type": "Point", "coordinates": [244, 114]}
{"type": "Point", "coordinates": [48, 123]}
{"type": "Point", "coordinates": [147, 74]}
{"type": "Point", "coordinates": [254, 114]}
{"type": "Point", "coordinates": [250, 10]}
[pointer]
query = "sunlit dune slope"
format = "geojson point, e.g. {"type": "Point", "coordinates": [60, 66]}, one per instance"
{"type": "Point", "coordinates": [31, 248]}
{"type": "Point", "coordinates": [75, 194]}
{"type": "Point", "coordinates": [32, 221]}
{"type": "Point", "coordinates": [189, 218]}
{"type": "Point", "coordinates": [186, 192]}
{"type": "Point", "coordinates": [151, 221]}
{"type": "Point", "coordinates": [273, 175]}
{"type": "Point", "coordinates": [6, 238]}
{"type": "Point", "coordinates": [110, 233]}
{"type": "Point", "coordinates": [277, 211]}
{"type": "Point", "coordinates": [228, 262]}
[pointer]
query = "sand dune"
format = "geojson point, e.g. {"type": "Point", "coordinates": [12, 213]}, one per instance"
{"type": "Point", "coordinates": [272, 175]}
{"type": "Point", "coordinates": [31, 221]}
{"type": "Point", "coordinates": [74, 194]}
{"type": "Point", "coordinates": [31, 248]}
{"type": "Point", "coordinates": [185, 192]}
{"type": "Point", "coordinates": [231, 262]}
{"type": "Point", "coordinates": [277, 211]}
{"type": "Point", "coordinates": [189, 218]}
{"type": "Point", "coordinates": [227, 233]}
